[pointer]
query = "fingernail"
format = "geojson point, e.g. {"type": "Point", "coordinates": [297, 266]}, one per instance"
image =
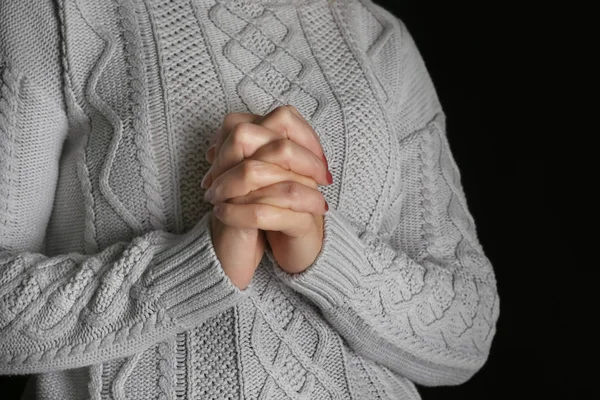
{"type": "Point", "coordinates": [326, 206]}
{"type": "Point", "coordinates": [325, 161]}
{"type": "Point", "coordinates": [329, 177]}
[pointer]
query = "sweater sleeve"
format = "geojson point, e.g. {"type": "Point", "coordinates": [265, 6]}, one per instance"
{"type": "Point", "coordinates": [421, 301]}
{"type": "Point", "coordinates": [72, 310]}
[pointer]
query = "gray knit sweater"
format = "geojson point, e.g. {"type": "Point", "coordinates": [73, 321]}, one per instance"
{"type": "Point", "coordinates": [109, 284]}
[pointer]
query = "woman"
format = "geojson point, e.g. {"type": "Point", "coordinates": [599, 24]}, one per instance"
{"type": "Point", "coordinates": [332, 256]}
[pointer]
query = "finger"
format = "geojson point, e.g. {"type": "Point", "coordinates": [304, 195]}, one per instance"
{"type": "Point", "coordinates": [284, 120]}
{"type": "Point", "coordinates": [288, 194]}
{"type": "Point", "coordinates": [303, 120]}
{"type": "Point", "coordinates": [287, 121]}
{"type": "Point", "coordinates": [280, 117]}
{"type": "Point", "coordinates": [283, 152]}
{"type": "Point", "coordinates": [229, 121]}
{"type": "Point", "coordinates": [241, 143]}
{"type": "Point", "coordinates": [248, 176]}
{"type": "Point", "coordinates": [265, 217]}
{"type": "Point", "coordinates": [249, 140]}
{"type": "Point", "coordinates": [296, 158]}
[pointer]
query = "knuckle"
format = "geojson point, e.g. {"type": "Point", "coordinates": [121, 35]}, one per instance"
{"type": "Point", "coordinates": [229, 119]}
{"type": "Point", "coordinates": [239, 134]}
{"type": "Point", "coordinates": [292, 109]}
{"type": "Point", "coordinates": [285, 149]}
{"type": "Point", "coordinates": [292, 190]}
{"type": "Point", "coordinates": [285, 114]}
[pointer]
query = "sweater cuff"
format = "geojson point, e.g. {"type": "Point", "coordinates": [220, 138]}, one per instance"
{"type": "Point", "coordinates": [332, 279]}
{"type": "Point", "coordinates": [188, 279]}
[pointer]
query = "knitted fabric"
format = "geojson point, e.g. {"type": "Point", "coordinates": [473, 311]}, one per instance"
{"type": "Point", "coordinates": [110, 286]}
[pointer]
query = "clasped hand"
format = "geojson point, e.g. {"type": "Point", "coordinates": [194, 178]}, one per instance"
{"type": "Point", "coordinates": [263, 182]}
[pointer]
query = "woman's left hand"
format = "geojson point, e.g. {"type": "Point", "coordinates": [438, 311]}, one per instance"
{"type": "Point", "coordinates": [264, 175]}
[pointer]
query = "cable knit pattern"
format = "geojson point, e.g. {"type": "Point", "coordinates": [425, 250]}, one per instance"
{"type": "Point", "coordinates": [259, 48]}
{"type": "Point", "coordinates": [110, 287]}
{"type": "Point", "coordinates": [287, 350]}
{"type": "Point", "coordinates": [140, 123]}
{"type": "Point", "coordinates": [9, 86]}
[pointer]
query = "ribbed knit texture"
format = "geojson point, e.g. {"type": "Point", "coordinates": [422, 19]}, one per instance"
{"type": "Point", "coordinates": [110, 287]}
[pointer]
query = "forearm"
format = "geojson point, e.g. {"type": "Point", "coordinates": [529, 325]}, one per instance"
{"type": "Point", "coordinates": [424, 300]}
{"type": "Point", "coordinates": [74, 310]}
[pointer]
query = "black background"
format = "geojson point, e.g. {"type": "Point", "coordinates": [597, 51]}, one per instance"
{"type": "Point", "coordinates": [482, 61]}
